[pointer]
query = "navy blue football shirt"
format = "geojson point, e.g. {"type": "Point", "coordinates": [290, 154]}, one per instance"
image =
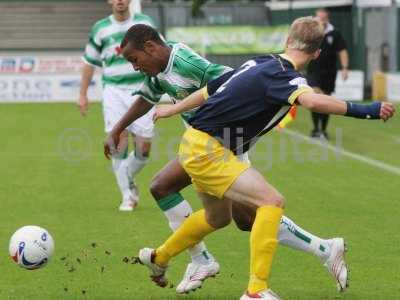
{"type": "Point", "coordinates": [248, 102]}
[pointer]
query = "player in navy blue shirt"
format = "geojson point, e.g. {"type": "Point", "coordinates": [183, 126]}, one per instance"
{"type": "Point", "coordinates": [271, 86]}
{"type": "Point", "coordinates": [247, 105]}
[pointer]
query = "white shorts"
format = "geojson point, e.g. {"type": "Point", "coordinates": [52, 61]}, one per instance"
{"type": "Point", "coordinates": [116, 102]}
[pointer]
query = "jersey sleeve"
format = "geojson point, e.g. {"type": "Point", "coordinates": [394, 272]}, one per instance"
{"type": "Point", "coordinates": [340, 43]}
{"type": "Point", "coordinates": [285, 88]}
{"type": "Point", "coordinates": [213, 85]}
{"type": "Point", "coordinates": [197, 68]}
{"type": "Point", "coordinates": [150, 90]}
{"type": "Point", "coordinates": [92, 55]}
{"type": "Point", "coordinates": [214, 71]}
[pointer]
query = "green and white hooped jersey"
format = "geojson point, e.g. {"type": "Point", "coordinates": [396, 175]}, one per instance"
{"type": "Point", "coordinates": [185, 73]}
{"type": "Point", "coordinates": [102, 50]}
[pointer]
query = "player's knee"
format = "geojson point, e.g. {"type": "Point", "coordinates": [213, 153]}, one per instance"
{"type": "Point", "coordinates": [218, 221]}
{"type": "Point", "coordinates": [124, 135]}
{"type": "Point", "coordinates": [157, 188]}
{"type": "Point", "coordinates": [160, 188]}
{"type": "Point", "coordinates": [146, 151]}
{"type": "Point", "coordinates": [144, 154]}
{"type": "Point", "coordinates": [276, 200]}
{"type": "Point", "coordinates": [143, 151]}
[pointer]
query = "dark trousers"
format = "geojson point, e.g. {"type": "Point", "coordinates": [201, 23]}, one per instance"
{"type": "Point", "coordinates": [325, 83]}
{"type": "Point", "coordinates": [320, 121]}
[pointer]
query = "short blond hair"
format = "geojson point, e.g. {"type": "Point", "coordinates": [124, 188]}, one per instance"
{"type": "Point", "coordinates": [306, 34]}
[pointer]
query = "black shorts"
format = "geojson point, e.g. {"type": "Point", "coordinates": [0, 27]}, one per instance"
{"type": "Point", "coordinates": [324, 81]}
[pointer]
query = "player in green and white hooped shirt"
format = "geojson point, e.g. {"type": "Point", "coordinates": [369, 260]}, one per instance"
{"type": "Point", "coordinates": [175, 69]}
{"type": "Point", "coordinates": [119, 79]}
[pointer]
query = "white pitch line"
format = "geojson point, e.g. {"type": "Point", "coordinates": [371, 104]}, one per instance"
{"type": "Point", "coordinates": [370, 161]}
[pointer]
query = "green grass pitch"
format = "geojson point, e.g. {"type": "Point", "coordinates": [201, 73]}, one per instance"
{"type": "Point", "coordinates": [53, 174]}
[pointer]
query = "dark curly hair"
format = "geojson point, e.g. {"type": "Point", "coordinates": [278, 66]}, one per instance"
{"type": "Point", "coordinates": [139, 34]}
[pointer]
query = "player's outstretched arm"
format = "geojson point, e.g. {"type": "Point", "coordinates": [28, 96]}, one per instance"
{"type": "Point", "coordinates": [192, 101]}
{"type": "Point", "coordinates": [330, 105]}
{"type": "Point", "coordinates": [138, 109]}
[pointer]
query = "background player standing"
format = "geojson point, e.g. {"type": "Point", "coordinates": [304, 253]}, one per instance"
{"type": "Point", "coordinates": [119, 79]}
{"type": "Point", "coordinates": [321, 73]}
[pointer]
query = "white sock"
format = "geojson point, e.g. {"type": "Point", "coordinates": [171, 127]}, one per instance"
{"type": "Point", "coordinates": [135, 164]}
{"type": "Point", "coordinates": [121, 174]}
{"type": "Point", "coordinates": [293, 236]}
{"type": "Point", "coordinates": [177, 209]}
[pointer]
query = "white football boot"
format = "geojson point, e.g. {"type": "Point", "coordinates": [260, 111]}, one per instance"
{"type": "Point", "coordinates": [266, 295]}
{"type": "Point", "coordinates": [336, 264]}
{"type": "Point", "coordinates": [195, 275]}
{"type": "Point", "coordinates": [146, 256]}
{"type": "Point", "coordinates": [128, 203]}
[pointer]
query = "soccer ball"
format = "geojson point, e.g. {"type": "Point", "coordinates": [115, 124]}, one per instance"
{"type": "Point", "coordinates": [31, 247]}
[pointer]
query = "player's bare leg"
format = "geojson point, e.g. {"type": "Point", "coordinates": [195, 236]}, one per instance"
{"type": "Point", "coordinates": [136, 161]}
{"type": "Point", "coordinates": [165, 189]}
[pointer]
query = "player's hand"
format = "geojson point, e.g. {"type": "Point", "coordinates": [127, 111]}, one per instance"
{"type": "Point", "coordinates": [83, 104]}
{"type": "Point", "coordinates": [387, 111]}
{"type": "Point", "coordinates": [345, 74]}
{"type": "Point", "coordinates": [163, 111]}
{"type": "Point", "coordinates": [110, 143]}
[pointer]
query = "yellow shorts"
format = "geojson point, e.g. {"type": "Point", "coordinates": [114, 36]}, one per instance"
{"type": "Point", "coordinates": [212, 167]}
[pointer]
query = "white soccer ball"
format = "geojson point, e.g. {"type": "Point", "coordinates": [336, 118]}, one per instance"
{"type": "Point", "coordinates": [31, 247]}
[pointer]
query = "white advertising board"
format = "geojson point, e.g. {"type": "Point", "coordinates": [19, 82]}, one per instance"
{"type": "Point", "coordinates": [51, 64]}
{"type": "Point", "coordinates": [45, 88]}
{"type": "Point", "coordinates": [393, 87]}
{"type": "Point", "coordinates": [352, 88]}
{"type": "Point", "coordinates": [44, 78]}
{"type": "Point", "coordinates": [374, 3]}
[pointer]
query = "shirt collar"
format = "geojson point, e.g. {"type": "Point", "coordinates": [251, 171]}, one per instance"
{"type": "Point", "coordinates": [286, 57]}
{"type": "Point", "coordinates": [113, 20]}
{"type": "Point", "coordinates": [329, 28]}
{"type": "Point", "coordinates": [171, 58]}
